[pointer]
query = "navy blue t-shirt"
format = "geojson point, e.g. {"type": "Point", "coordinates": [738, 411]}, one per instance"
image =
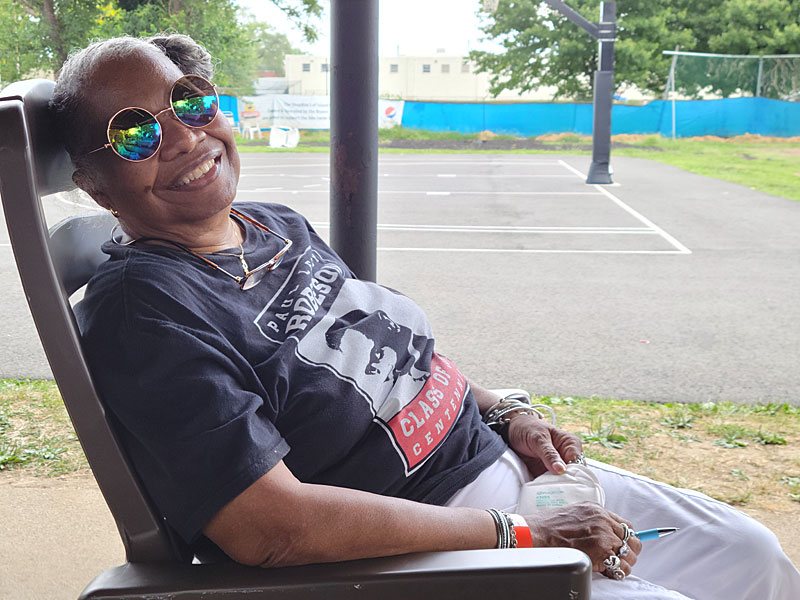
{"type": "Point", "coordinates": [211, 386]}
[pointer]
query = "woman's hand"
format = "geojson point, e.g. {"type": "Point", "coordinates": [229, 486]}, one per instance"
{"type": "Point", "coordinates": [588, 527]}
{"type": "Point", "coordinates": [542, 446]}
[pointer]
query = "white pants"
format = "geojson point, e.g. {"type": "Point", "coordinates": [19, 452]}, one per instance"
{"type": "Point", "coordinates": [718, 554]}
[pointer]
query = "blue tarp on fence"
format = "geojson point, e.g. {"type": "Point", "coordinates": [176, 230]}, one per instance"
{"type": "Point", "coordinates": [229, 104]}
{"type": "Point", "coordinates": [727, 117]}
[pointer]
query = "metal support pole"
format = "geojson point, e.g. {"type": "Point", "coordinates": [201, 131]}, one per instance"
{"type": "Point", "coordinates": [760, 74]}
{"type": "Point", "coordinates": [354, 134]}
{"type": "Point", "coordinates": [672, 91]}
{"type": "Point", "coordinates": [600, 169]}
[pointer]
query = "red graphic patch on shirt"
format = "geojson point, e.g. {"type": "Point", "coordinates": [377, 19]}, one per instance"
{"type": "Point", "coordinates": [426, 421]}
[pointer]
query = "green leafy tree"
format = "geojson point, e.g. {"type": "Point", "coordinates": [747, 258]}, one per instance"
{"type": "Point", "coordinates": [271, 47]}
{"type": "Point", "coordinates": [745, 27]}
{"type": "Point", "coordinates": [49, 28]}
{"type": "Point", "coordinates": [757, 27]}
{"type": "Point", "coordinates": [20, 52]}
{"type": "Point", "coordinates": [542, 48]}
{"type": "Point", "coordinates": [37, 35]}
{"type": "Point", "coordinates": [302, 12]}
{"type": "Point", "coordinates": [215, 23]}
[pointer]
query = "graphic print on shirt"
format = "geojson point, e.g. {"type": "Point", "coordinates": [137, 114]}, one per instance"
{"type": "Point", "coordinates": [379, 342]}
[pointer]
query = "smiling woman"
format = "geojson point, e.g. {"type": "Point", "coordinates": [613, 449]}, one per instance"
{"type": "Point", "coordinates": [275, 405]}
{"type": "Point", "coordinates": [181, 166]}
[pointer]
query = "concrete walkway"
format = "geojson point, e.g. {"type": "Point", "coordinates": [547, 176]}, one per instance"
{"type": "Point", "coordinates": [55, 537]}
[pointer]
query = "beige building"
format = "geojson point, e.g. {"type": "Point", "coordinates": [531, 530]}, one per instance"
{"type": "Point", "coordinates": [438, 77]}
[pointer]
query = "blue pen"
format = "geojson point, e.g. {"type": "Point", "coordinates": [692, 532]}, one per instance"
{"type": "Point", "coordinates": [652, 534]}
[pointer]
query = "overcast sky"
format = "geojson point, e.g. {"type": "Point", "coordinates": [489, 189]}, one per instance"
{"type": "Point", "coordinates": [410, 26]}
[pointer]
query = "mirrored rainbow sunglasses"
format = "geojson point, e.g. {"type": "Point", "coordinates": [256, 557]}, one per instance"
{"type": "Point", "coordinates": [135, 134]}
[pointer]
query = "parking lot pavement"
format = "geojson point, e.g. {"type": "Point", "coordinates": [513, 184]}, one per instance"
{"type": "Point", "coordinates": [667, 286]}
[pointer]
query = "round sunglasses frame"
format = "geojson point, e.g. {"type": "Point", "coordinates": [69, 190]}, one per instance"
{"type": "Point", "coordinates": [155, 116]}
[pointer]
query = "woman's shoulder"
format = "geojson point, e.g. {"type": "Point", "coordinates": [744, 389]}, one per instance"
{"type": "Point", "coordinates": [130, 283]}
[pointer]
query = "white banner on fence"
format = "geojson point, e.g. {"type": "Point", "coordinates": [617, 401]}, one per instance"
{"type": "Point", "coordinates": [302, 112]}
{"type": "Point", "coordinates": [308, 112]}
{"type": "Point", "coordinates": [390, 113]}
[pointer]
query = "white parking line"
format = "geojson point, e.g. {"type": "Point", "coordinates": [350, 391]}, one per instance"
{"type": "Point", "coordinates": [649, 228]}
{"type": "Point", "coordinates": [671, 239]}
{"type": "Point", "coordinates": [527, 251]}
{"type": "Point", "coordinates": [484, 162]}
{"type": "Point", "coordinates": [440, 193]}
{"type": "Point", "coordinates": [503, 229]}
{"type": "Point", "coordinates": [422, 175]}
{"type": "Point", "coordinates": [383, 162]}
{"type": "Point", "coordinates": [487, 176]}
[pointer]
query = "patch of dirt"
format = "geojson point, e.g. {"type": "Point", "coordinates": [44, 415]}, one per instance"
{"type": "Point", "coordinates": [634, 138]}
{"type": "Point", "coordinates": [25, 479]}
{"type": "Point", "coordinates": [487, 135]}
{"type": "Point", "coordinates": [757, 479]}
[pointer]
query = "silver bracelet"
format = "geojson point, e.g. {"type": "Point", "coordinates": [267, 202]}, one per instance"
{"type": "Point", "coordinates": [512, 403]}
{"type": "Point", "coordinates": [506, 536]}
{"type": "Point", "coordinates": [495, 414]}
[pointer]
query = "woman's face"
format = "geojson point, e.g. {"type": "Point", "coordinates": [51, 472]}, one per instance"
{"type": "Point", "coordinates": [153, 197]}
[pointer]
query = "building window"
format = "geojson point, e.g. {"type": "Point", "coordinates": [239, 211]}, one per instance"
{"type": "Point", "coordinates": [426, 68]}
{"type": "Point", "coordinates": [394, 68]}
{"type": "Point", "coordinates": [465, 67]}
{"type": "Point", "coordinates": [324, 67]}
{"type": "Point", "coordinates": [445, 68]}
{"type": "Point", "coordinates": [306, 67]}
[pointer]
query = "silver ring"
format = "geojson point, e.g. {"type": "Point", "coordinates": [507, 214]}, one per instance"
{"type": "Point", "coordinates": [627, 534]}
{"type": "Point", "coordinates": [612, 562]}
{"type": "Point", "coordinates": [623, 550]}
{"type": "Point", "coordinates": [581, 460]}
{"type": "Point", "coordinates": [618, 574]}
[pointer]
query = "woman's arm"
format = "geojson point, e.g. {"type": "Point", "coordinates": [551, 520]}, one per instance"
{"type": "Point", "coordinates": [279, 521]}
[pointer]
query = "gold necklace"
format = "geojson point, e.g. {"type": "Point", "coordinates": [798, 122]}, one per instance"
{"type": "Point", "coordinates": [240, 256]}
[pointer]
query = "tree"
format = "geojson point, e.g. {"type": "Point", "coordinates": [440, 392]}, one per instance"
{"type": "Point", "coordinates": [37, 35]}
{"type": "Point", "coordinates": [20, 52]}
{"type": "Point", "coordinates": [48, 29]}
{"type": "Point", "coordinates": [543, 49]}
{"type": "Point", "coordinates": [215, 23]}
{"type": "Point", "coordinates": [757, 27]}
{"type": "Point", "coordinates": [271, 47]}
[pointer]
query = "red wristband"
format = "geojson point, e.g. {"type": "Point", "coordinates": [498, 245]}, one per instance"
{"type": "Point", "coordinates": [522, 531]}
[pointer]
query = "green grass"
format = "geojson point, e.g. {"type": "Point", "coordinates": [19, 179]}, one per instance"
{"type": "Point", "coordinates": [702, 446]}
{"type": "Point", "coordinates": [772, 167]}
{"type": "Point", "coordinates": [35, 432]}
{"type": "Point", "coordinates": [744, 454]}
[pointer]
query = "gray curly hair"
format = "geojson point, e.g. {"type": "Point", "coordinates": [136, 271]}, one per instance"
{"type": "Point", "coordinates": [65, 105]}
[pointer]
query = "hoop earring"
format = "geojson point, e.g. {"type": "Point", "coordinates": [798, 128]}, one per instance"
{"type": "Point", "coordinates": [114, 212]}
{"type": "Point", "coordinates": [122, 241]}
